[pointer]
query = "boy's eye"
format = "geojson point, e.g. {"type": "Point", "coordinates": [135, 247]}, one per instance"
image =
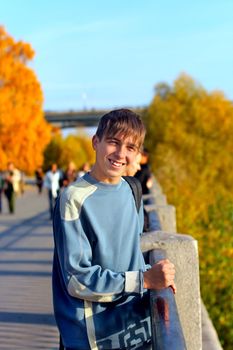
{"type": "Point", "coordinates": [132, 148]}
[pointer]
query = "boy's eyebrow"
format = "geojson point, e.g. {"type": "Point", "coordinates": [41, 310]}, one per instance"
{"type": "Point", "coordinates": [112, 138]}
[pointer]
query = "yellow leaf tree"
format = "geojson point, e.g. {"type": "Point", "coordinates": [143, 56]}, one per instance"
{"type": "Point", "coordinates": [191, 145]}
{"type": "Point", "coordinates": [190, 133]}
{"type": "Point", "coordinates": [24, 133]}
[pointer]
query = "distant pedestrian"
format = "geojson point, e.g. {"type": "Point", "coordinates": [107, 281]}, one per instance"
{"type": "Point", "coordinates": [52, 183]}
{"type": "Point", "coordinates": [1, 190]}
{"type": "Point", "coordinates": [22, 183]}
{"type": "Point", "coordinates": [84, 169]}
{"type": "Point", "coordinates": [11, 185]}
{"type": "Point", "coordinates": [70, 175]}
{"type": "Point", "coordinates": [39, 175]}
{"type": "Point", "coordinates": [151, 219]}
{"type": "Point", "coordinates": [135, 166]}
{"type": "Point", "coordinates": [144, 175]}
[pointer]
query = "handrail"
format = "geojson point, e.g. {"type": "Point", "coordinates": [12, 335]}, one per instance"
{"type": "Point", "coordinates": [148, 196]}
{"type": "Point", "coordinates": [166, 328]}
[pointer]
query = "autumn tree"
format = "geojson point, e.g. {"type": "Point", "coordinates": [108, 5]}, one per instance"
{"type": "Point", "coordinates": [190, 141]}
{"type": "Point", "coordinates": [24, 133]}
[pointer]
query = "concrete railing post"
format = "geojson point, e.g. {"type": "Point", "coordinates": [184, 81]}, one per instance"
{"type": "Point", "coordinates": [182, 251]}
{"type": "Point", "coordinates": [166, 215]}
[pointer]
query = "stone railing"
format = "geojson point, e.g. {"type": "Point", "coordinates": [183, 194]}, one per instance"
{"type": "Point", "coordinates": [182, 250]}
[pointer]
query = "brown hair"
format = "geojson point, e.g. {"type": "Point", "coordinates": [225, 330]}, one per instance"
{"type": "Point", "coordinates": [122, 122]}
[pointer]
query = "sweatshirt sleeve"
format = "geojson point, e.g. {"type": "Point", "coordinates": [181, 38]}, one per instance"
{"type": "Point", "coordinates": [84, 280]}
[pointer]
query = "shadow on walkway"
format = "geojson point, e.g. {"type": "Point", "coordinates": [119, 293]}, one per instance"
{"type": "Point", "coordinates": [26, 249]}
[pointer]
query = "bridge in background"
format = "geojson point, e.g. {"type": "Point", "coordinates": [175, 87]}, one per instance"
{"type": "Point", "coordinates": [84, 118]}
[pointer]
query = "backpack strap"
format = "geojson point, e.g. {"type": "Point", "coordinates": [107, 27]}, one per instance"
{"type": "Point", "coordinates": [136, 188]}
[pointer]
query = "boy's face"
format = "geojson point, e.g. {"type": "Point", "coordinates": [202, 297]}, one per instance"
{"type": "Point", "coordinates": [113, 155]}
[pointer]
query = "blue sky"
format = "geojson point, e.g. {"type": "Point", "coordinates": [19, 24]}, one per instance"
{"type": "Point", "coordinates": [106, 54]}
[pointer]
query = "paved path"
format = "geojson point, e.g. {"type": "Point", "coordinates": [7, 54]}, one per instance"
{"type": "Point", "coordinates": [26, 244]}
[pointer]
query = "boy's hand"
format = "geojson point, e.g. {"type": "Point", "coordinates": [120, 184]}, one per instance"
{"type": "Point", "coordinates": [161, 275]}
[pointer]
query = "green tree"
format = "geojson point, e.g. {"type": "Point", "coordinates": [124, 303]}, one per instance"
{"type": "Point", "coordinates": [190, 140]}
{"type": "Point", "coordinates": [53, 151]}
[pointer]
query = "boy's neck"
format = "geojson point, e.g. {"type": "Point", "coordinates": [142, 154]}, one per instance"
{"type": "Point", "coordinates": [108, 180]}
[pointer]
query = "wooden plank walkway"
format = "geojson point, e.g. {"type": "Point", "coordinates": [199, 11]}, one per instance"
{"type": "Point", "coordinates": [26, 244]}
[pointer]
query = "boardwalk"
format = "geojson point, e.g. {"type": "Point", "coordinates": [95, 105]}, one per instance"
{"type": "Point", "coordinates": [26, 316]}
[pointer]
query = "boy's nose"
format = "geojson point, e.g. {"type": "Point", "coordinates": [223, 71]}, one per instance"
{"type": "Point", "coordinates": [121, 151]}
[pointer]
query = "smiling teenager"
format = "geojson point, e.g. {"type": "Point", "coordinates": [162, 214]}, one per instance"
{"type": "Point", "coordinates": [100, 280]}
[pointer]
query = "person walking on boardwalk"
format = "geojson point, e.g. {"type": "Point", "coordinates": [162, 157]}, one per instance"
{"type": "Point", "coordinates": [52, 183]}
{"type": "Point", "coordinates": [39, 176]}
{"type": "Point", "coordinates": [1, 189]}
{"type": "Point", "coordinates": [11, 185]}
{"type": "Point", "coordinates": [144, 174]}
{"type": "Point", "coordinates": [70, 175]}
{"type": "Point", "coordinates": [100, 280]}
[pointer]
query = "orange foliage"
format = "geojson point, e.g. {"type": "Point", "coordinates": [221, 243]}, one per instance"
{"type": "Point", "coordinates": [24, 133]}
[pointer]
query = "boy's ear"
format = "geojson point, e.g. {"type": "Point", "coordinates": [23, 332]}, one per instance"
{"type": "Point", "coordinates": [95, 141]}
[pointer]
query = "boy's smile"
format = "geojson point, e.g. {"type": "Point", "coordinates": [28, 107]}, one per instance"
{"type": "Point", "coordinates": [115, 163]}
{"type": "Point", "coordinates": [112, 157]}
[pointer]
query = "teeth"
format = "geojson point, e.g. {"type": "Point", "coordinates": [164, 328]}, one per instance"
{"type": "Point", "coordinates": [115, 163]}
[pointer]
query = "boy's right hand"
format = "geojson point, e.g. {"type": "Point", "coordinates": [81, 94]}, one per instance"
{"type": "Point", "coordinates": [160, 275]}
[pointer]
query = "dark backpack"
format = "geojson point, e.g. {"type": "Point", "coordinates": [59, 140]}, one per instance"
{"type": "Point", "coordinates": [136, 188]}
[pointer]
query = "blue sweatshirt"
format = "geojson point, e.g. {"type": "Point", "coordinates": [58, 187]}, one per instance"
{"type": "Point", "coordinates": [99, 301]}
